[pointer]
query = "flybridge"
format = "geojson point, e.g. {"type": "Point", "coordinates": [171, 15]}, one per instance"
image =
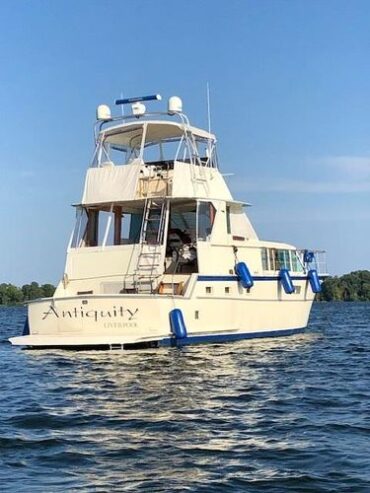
{"type": "Point", "coordinates": [158, 140]}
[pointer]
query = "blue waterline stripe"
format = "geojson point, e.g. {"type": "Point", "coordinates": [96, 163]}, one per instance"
{"type": "Point", "coordinates": [215, 338]}
{"type": "Point", "coordinates": [255, 278]}
{"type": "Point", "coordinates": [217, 278]}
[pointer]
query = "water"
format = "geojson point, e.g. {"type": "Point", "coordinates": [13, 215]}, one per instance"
{"type": "Point", "coordinates": [278, 415]}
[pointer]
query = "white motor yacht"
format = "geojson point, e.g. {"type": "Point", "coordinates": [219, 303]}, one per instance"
{"type": "Point", "coordinates": [161, 253]}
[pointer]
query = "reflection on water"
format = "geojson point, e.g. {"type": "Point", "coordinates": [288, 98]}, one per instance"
{"type": "Point", "coordinates": [277, 415]}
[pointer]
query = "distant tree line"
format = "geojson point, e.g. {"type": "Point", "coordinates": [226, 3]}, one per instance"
{"type": "Point", "coordinates": [11, 295]}
{"type": "Point", "coordinates": [349, 287]}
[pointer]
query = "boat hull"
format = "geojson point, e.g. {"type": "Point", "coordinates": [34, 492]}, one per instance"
{"type": "Point", "coordinates": [144, 321]}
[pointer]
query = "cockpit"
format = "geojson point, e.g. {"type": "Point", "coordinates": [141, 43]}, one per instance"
{"type": "Point", "coordinates": [188, 222]}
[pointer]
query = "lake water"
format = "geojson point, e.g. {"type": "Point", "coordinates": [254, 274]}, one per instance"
{"type": "Point", "coordinates": [275, 415]}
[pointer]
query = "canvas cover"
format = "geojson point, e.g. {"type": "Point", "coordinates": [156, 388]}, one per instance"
{"type": "Point", "coordinates": [110, 184]}
{"type": "Point", "coordinates": [199, 182]}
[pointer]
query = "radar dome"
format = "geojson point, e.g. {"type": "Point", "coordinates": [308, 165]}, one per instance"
{"type": "Point", "coordinates": [103, 113]}
{"type": "Point", "coordinates": [174, 105]}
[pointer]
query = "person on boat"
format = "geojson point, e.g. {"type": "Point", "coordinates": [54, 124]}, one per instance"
{"type": "Point", "coordinates": [180, 247]}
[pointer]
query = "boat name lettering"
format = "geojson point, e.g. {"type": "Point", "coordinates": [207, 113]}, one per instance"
{"type": "Point", "coordinates": [120, 325]}
{"type": "Point", "coordinates": [114, 312]}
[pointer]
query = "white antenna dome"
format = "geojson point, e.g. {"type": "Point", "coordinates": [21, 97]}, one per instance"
{"type": "Point", "coordinates": [103, 113]}
{"type": "Point", "coordinates": [138, 109]}
{"type": "Point", "coordinates": [174, 105]}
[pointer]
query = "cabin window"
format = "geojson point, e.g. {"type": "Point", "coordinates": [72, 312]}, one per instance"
{"type": "Point", "coordinates": [271, 258]}
{"type": "Point", "coordinates": [264, 258]}
{"type": "Point", "coordinates": [113, 154]}
{"type": "Point", "coordinates": [296, 263]}
{"type": "Point", "coordinates": [86, 230]}
{"type": "Point", "coordinates": [131, 228]}
{"type": "Point", "coordinates": [208, 289]}
{"type": "Point", "coordinates": [170, 149]}
{"type": "Point", "coordinates": [283, 259]}
{"type": "Point", "coordinates": [278, 258]}
{"type": "Point", "coordinates": [206, 217]}
{"type": "Point", "coordinates": [124, 228]}
{"type": "Point", "coordinates": [161, 151]}
{"type": "Point", "coordinates": [117, 153]}
{"type": "Point", "coordinates": [228, 222]}
{"type": "Point", "coordinates": [110, 227]}
{"type": "Point", "coordinates": [79, 233]}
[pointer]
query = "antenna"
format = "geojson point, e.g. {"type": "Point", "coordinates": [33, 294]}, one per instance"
{"type": "Point", "coordinates": [122, 110]}
{"type": "Point", "coordinates": [154, 97]}
{"type": "Point", "coordinates": [208, 109]}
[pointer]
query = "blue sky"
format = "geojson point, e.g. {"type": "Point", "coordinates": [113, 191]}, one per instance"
{"type": "Point", "coordinates": [290, 92]}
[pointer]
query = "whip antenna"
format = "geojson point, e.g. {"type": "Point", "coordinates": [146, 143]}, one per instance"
{"type": "Point", "coordinates": [208, 109]}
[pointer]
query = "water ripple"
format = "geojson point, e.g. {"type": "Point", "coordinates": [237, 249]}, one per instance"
{"type": "Point", "coordinates": [278, 415]}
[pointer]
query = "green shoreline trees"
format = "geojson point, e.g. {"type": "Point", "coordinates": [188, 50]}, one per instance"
{"type": "Point", "coordinates": [12, 295]}
{"type": "Point", "coordinates": [354, 286]}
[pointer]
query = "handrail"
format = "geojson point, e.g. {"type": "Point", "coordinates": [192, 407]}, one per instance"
{"type": "Point", "coordinates": [123, 118]}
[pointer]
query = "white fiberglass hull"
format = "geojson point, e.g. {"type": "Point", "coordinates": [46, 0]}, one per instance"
{"type": "Point", "coordinates": [144, 320]}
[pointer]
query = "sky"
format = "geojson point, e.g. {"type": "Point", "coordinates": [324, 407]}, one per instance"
{"type": "Point", "coordinates": [290, 105]}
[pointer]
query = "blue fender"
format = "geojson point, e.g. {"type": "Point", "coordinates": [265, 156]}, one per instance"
{"type": "Point", "coordinates": [286, 281]}
{"type": "Point", "coordinates": [314, 279]}
{"type": "Point", "coordinates": [178, 327]}
{"type": "Point", "coordinates": [244, 275]}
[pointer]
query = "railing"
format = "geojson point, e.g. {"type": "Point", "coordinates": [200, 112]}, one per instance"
{"type": "Point", "coordinates": [314, 259]}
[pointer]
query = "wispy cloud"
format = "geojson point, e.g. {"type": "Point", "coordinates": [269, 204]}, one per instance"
{"type": "Point", "coordinates": [304, 186]}
{"type": "Point", "coordinates": [335, 174]}
{"type": "Point", "coordinates": [353, 167]}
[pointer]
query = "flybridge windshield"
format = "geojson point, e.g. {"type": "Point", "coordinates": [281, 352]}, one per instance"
{"type": "Point", "coordinates": [154, 143]}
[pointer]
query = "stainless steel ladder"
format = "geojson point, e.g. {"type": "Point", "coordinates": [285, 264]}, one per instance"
{"type": "Point", "coordinates": [151, 248]}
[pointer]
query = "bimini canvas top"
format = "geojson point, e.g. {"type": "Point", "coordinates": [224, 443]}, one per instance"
{"type": "Point", "coordinates": [130, 134]}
